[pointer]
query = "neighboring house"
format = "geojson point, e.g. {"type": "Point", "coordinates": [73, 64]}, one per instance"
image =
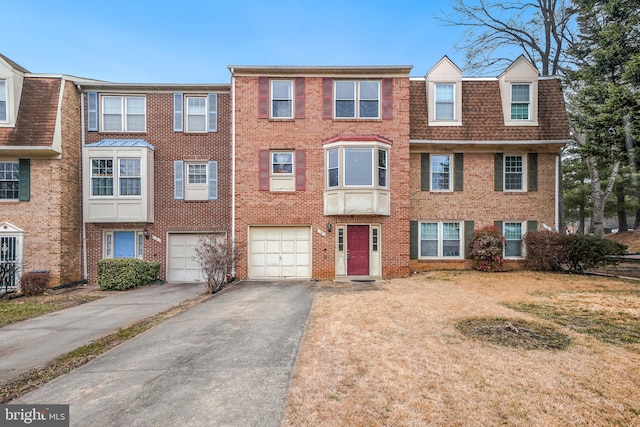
{"type": "Point", "coordinates": [321, 171]}
{"type": "Point", "coordinates": [484, 151]}
{"type": "Point", "coordinates": [156, 172]}
{"type": "Point", "coordinates": [40, 199]}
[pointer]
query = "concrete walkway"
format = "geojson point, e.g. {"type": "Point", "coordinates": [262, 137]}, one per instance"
{"type": "Point", "coordinates": [225, 362]}
{"type": "Point", "coordinates": [29, 344]}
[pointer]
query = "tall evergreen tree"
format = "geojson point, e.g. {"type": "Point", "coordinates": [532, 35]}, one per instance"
{"type": "Point", "coordinates": [605, 86]}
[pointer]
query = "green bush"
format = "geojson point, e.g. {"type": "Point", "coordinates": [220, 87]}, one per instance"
{"type": "Point", "coordinates": [588, 251]}
{"type": "Point", "coordinates": [550, 251]}
{"type": "Point", "coordinates": [486, 249]}
{"type": "Point", "coordinates": [125, 273]}
{"type": "Point", "coordinates": [34, 282]}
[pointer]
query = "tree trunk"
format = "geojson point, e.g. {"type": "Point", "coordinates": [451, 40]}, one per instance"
{"type": "Point", "coordinates": [623, 224]}
{"type": "Point", "coordinates": [599, 196]}
{"type": "Point", "coordinates": [636, 223]}
{"type": "Point", "coordinates": [582, 219]}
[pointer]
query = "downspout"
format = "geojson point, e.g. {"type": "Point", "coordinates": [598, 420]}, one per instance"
{"type": "Point", "coordinates": [233, 174]}
{"type": "Point", "coordinates": [84, 224]}
{"type": "Point", "coordinates": [557, 196]}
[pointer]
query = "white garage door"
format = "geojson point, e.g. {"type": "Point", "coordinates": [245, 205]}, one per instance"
{"type": "Point", "coordinates": [279, 252]}
{"type": "Point", "coordinates": [183, 267]}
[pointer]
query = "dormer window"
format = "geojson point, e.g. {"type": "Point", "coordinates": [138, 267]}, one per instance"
{"type": "Point", "coordinates": [445, 104]}
{"type": "Point", "coordinates": [3, 101]}
{"type": "Point", "coordinates": [520, 101]}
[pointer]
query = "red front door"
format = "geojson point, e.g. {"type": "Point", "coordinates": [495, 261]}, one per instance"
{"type": "Point", "coordinates": [358, 250]}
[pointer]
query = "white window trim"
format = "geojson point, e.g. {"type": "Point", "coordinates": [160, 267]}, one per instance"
{"type": "Point", "coordinates": [115, 177]}
{"type": "Point", "coordinates": [357, 99]}
{"type": "Point", "coordinates": [204, 184]}
{"type": "Point", "coordinates": [139, 177]}
{"type": "Point", "coordinates": [18, 181]}
{"type": "Point", "coordinates": [293, 163]}
{"type": "Point", "coordinates": [441, 239]}
{"type": "Point", "coordinates": [187, 115]}
{"type": "Point", "coordinates": [108, 248]}
{"type": "Point", "coordinates": [529, 85]}
{"type": "Point", "coordinates": [123, 101]}
{"type": "Point", "coordinates": [524, 173]}
{"type": "Point", "coordinates": [435, 102]}
{"type": "Point", "coordinates": [5, 89]}
{"type": "Point", "coordinates": [272, 98]}
{"type": "Point", "coordinates": [523, 230]}
{"type": "Point", "coordinates": [341, 147]}
{"type": "Point", "coordinates": [451, 173]}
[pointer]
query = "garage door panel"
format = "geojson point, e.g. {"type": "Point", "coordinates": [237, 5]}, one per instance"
{"type": "Point", "coordinates": [286, 247]}
{"type": "Point", "coordinates": [182, 263]}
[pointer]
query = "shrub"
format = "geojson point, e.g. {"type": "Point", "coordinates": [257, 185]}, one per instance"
{"type": "Point", "coordinates": [126, 273]}
{"type": "Point", "coordinates": [546, 250]}
{"type": "Point", "coordinates": [550, 251]}
{"type": "Point", "coordinates": [34, 282]}
{"type": "Point", "coordinates": [486, 249]}
{"type": "Point", "coordinates": [589, 251]}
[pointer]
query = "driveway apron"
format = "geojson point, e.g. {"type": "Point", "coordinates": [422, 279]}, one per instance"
{"type": "Point", "coordinates": [225, 362]}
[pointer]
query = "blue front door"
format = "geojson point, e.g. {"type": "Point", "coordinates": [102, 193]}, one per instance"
{"type": "Point", "coordinates": [124, 244]}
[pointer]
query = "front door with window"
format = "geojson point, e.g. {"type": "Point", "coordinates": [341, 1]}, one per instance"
{"type": "Point", "coordinates": [358, 250]}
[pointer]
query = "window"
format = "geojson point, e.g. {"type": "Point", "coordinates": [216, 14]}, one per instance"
{"type": "Point", "coordinates": [520, 101]}
{"type": "Point", "coordinates": [9, 180]}
{"type": "Point", "coordinates": [513, 173]}
{"type": "Point", "coordinates": [441, 172]}
{"type": "Point", "coordinates": [357, 166]}
{"type": "Point", "coordinates": [440, 240]}
{"type": "Point", "coordinates": [341, 239]}
{"type": "Point", "coordinates": [196, 173]}
{"type": "Point", "coordinates": [281, 163]}
{"type": "Point", "coordinates": [444, 109]}
{"type": "Point", "coordinates": [3, 101]}
{"type": "Point", "coordinates": [196, 114]}
{"type": "Point", "coordinates": [513, 236]}
{"type": "Point", "coordinates": [130, 178]}
{"type": "Point", "coordinates": [374, 239]}
{"type": "Point", "coordinates": [282, 99]}
{"type": "Point", "coordinates": [102, 177]}
{"type": "Point", "coordinates": [123, 244]}
{"type": "Point", "coordinates": [357, 99]}
{"type": "Point", "coordinates": [195, 180]}
{"type": "Point", "coordinates": [123, 113]}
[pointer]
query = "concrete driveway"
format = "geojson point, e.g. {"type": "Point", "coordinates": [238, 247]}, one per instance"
{"type": "Point", "coordinates": [225, 362]}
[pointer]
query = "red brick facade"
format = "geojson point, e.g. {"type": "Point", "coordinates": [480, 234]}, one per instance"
{"type": "Point", "coordinates": [305, 208]}
{"type": "Point", "coordinates": [172, 215]}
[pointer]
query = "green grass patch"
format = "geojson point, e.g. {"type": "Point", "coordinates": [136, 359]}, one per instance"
{"type": "Point", "coordinates": [612, 327]}
{"type": "Point", "coordinates": [517, 333]}
{"type": "Point", "coordinates": [19, 309]}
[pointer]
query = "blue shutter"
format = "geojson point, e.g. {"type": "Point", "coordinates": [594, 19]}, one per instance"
{"type": "Point", "coordinates": [213, 112]}
{"type": "Point", "coordinates": [178, 180]}
{"type": "Point", "coordinates": [92, 111]}
{"type": "Point", "coordinates": [178, 109]}
{"type": "Point", "coordinates": [213, 180]}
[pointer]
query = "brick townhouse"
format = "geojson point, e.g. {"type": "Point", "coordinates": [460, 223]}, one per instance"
{"type": "Point", "coordinates": [484, 151]}
{"type": "Point", "coordinates": [313, 172]}
{"type": "Point", "coordinates": [322, 171]}
{"type": "Point", "coordinates": [156, 171]}
{"type": "Point", "coordinates": [40, 198]}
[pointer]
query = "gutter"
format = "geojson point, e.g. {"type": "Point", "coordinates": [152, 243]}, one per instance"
{"type": "Point", "coordinates": [84, 224]}
{"type": "Point", "coordinates": [233, 173]}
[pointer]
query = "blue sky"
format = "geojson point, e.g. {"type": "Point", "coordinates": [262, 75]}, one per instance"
{"type": "Point", "coordinates": [193, 41]}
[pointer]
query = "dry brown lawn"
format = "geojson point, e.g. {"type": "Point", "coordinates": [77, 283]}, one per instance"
{"type": "Point", "coordinates": [394, 357]}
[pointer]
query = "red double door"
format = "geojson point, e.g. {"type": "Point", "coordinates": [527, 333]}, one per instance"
{"type": "Point", "coordinates": [358, 250]}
